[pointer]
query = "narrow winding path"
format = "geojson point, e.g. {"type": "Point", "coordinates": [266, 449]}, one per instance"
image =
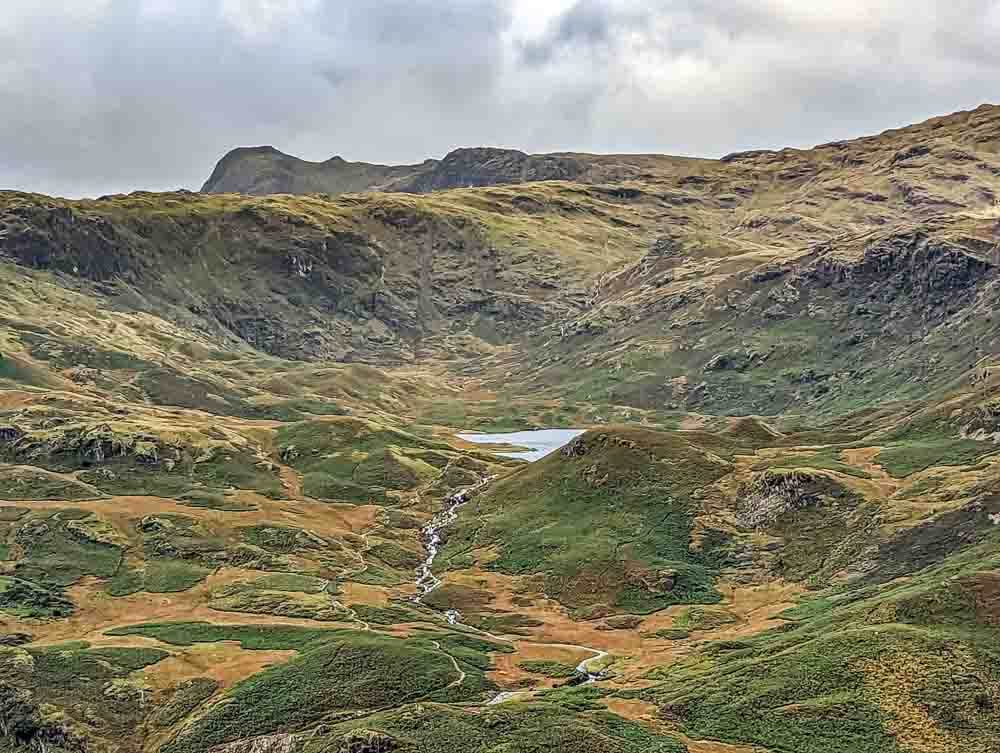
{"type": "Point", "coordinates": [454, 663]}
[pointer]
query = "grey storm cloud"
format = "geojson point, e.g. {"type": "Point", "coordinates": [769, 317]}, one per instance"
{"type": "Point", "coordinates": [99, 96]}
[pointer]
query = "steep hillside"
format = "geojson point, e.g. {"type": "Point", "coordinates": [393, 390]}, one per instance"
{"type": "Point", "coordinates": [372, 277]}
{"type": "Point", "coordinates": [765, 282]}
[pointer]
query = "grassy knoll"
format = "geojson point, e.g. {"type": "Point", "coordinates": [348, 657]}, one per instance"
{"type": "Point", "coordinates": [59, 553]}
{"type": "Point", "coordinates": [354, 460]}
{"type": "Point", "coordinates": [608, 522]}
{"type": "Point", "coordinates": [352, 672]}
{"type": "Point", "coordinates": [251, 637]}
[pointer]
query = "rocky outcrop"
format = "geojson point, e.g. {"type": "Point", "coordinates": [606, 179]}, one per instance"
{"type": "Point", "coordinates": [770, 494]}
{"type": "Point", "coordinates": [10, 434]}
{"type": "Point", "coordinates": [910, 264]}
{"type": "Point", "coordinates": [467, 168]}
{"type": "Point", "coordinates": [62, 239]}
{"type": "Point", "coordinates": [365, 741]}
{"type": "Point", "coordinates": [982, 421]}
{"type": "Point", "coordinates": [86, 444]}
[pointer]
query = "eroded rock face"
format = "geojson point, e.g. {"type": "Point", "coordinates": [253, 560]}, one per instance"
{"type": "Point", "coordinates": [15, 639]}
{"type": "Point", "coordinates": [904, 264]}
{"type": "Point", "coordinates": [727, 362]}
{"type": "Point", "coordinates": [654, 581]}
{"type": "Point", "coordinates": [932, 541]}
{"type": "Point", "coordinates": [64, 240]}
{"type": "Point", "coordinates": [981, 422]}
{"type": "Point", "coordinates": [770, 494]}
{"type": "Point", "coordinates": [576, 448]}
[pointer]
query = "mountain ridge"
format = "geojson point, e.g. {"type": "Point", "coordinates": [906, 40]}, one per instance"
{"type": "Point", "coordinates": [265, 169]}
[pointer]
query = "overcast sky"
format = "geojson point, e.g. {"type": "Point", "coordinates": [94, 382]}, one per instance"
{"type": "Point", "coordinates": [99, 96]}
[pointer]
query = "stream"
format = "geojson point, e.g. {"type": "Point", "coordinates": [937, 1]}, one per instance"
{"type": "Point", "coordinates": [537, 444]}
{"type": "Point", "coordinates": [427, 581]}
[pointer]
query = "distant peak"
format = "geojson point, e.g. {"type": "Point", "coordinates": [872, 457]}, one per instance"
{"type": "Point", "coordinates": [481, 152]}
{"type": "Point", "coordinates": [248, 150]}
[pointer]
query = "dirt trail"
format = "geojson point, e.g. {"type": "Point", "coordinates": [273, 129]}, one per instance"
{"type": "Point", "coordinates": [454, 663]}
{"type": "Point", "coordinates": [508, 672]}
{"type": "Point", "coordinates": [68, 477]}
{"type": "Point", "coordinates": [426, 581]}
{"type": "Point", "coordinates": [291, 480]}
{"type": "Point", "coordinates": [864, 458]}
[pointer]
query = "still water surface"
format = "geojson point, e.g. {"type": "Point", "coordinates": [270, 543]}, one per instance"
{"type": "Point", "coordinates": [538, 443]}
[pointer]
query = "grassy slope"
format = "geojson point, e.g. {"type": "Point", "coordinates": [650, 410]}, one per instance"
{"type": "Point", "coordinates": [519, 728]}
{"type": "Point", "coordinates": [603, 523]}
{"type": "Point", "coordinates": [906, 666]}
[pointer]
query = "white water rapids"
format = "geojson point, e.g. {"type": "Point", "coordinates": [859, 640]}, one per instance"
{"type": "Point", "coordinates": [427, 581]}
